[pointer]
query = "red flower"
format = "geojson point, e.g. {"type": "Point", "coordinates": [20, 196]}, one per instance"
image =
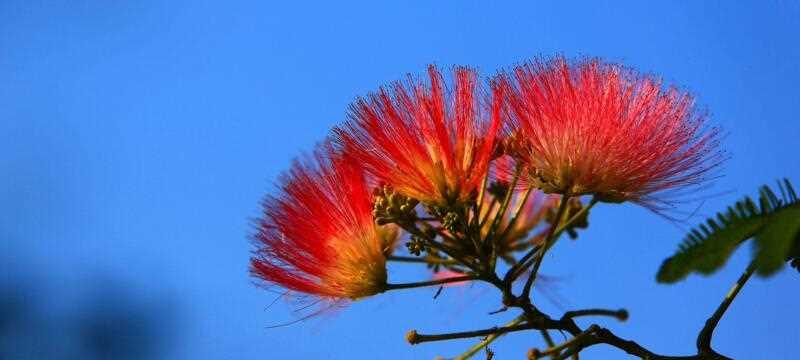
{"type": "Point", "coordinates": [427, 143]}
{"type": "Point", "coordinates": [318, 236]}
{"type": "Point", "coordinates": [589, 127]}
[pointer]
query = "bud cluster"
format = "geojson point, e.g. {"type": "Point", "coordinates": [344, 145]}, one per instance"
{"type": "Point", "coordinates": [416, 246]}
{"type": "Point", "coordinates": [390, 206]}
{"type": "Point", "coordinates": [452, 221]}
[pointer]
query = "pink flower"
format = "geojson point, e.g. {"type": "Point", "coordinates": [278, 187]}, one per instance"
{"type": "Point", "coordinates": [588, 127]}
{"type": "Point", "coordinates": [318, 236]}
{"type": "Point", "coordinates": [427, 143]}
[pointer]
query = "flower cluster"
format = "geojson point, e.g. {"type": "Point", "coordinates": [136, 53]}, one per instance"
{"type": "Point", "coordinates": [470, 168]}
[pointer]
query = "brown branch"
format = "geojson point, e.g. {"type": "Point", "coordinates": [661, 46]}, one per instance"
{"type": "Point", "coordinates": [555, 351]}
{"type": "Point", "coordinates": [547, 338]}
{"type": "Point", "coordinates": [620, 314]}
{"type": "Point", "coordinates": [705, 335]}
{"type": "Point", "coordinates": [489, 339]}
{"type": "Point", "coordinates": [597, 335]}
{"type": "Point", "coordinates": [414, 338]}
{"type": "Point", "coordinates": [605, 336]}
{"type": "Point", "coordinates": [517, 268]}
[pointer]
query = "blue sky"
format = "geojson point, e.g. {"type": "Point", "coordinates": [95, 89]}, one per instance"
{"type": "Point", "coordinates": [137, 138]}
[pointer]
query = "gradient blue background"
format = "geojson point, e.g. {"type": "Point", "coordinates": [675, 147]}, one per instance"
{"type": "Point", "coordinates": [137, 137]}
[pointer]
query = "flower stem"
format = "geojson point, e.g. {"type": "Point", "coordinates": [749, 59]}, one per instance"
{"type": "Point", "coordinates": [537, 262]}
{"type": "Point", "coordinates": [498, 217]}
{"type": "Point", "coordinates": [704, 338]}
{"type": "Point", "coordinates": [412, 229]}
{"type": "Point", "coordinates": [430, 282]}
{"type": "Point", "coordinates": [522, 264]}
{"type": "Point", "coordinates": [517, 211]}
{"type": "Point", "coordinates": [421, 260]}
{"type": "Point", "coordinates": [556, 350]}
{"type": "Point", "coordinates": [575, 217]}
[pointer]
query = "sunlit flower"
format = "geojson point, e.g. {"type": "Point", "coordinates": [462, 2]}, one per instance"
{"type": "Point", "coordinates": [588, 127]}
{"type": "Point", "coordinates": [428, 143]}
{"type": "Point", "coordinates": [318, 236]}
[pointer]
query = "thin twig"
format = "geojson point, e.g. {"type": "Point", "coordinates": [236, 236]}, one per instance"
{"type": "Point", "coordinates": [517, 211]}
{"type": "Point", "coordinates": [438, 292]}
{"type": "Point", "coordinates": [562, 210]}
{"type": "Point", "coordinates": [479, 202]}
{"type": "Point", "coordinates": [489, 339]}
{"type": "Point", "coordinates": [413, 230]}
{"type": "Point", "coordinates": [547, 338]}
{"type": "Point", "coordinates": [556, 350]}
{"type": "Point", "coordinates": [517, 268]}
{"type": "Point", "coordinates": [705, 335]}
{"type": "Point", "coordinates": [604, 336]}
{"type": "Point", "coordinates": [430, 282]}
{"type": "Point", "coordinates": [421, 260]}
{"type": "Point", "coordinates": [576, 216]}
{"type": "Point", "coordinates": [498, 217]}
{"type": "Point", "coordinates": [502, 309]}
{"type": "Point", "coordinates": [485, 218]}
{"type": "Point", "coordinates": [620, 314]}
{"type": "Point", "coordinates": [414, 338]}
{"type": "Point", "coordinates": [520, 267]}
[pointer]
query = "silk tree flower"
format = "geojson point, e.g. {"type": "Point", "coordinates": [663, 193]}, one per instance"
{"type": "Point", "coordinates": [318, 237]}
{"type": "Point", "coordinates": [589, 127]}
{"type": "Point", "coordinates": [426, 142]}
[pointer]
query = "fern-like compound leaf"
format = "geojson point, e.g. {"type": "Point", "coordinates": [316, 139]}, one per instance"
{"type": "Point", "coordinates": [774, 223]}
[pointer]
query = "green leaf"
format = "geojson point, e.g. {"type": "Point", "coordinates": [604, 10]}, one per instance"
{"type": "Point", "coordinates": [774, 222]}
{"type": "Point", "coordinates": [775, 242]}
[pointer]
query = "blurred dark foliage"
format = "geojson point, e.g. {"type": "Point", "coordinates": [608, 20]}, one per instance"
{"type": "Point", "coordinates": [108, 321]}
